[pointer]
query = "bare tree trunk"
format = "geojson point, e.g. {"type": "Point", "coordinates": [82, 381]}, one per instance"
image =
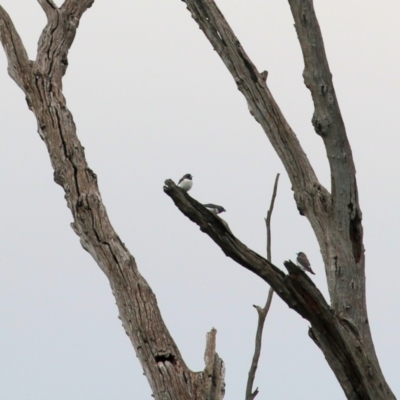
{"type": "Point", "coordinates": [340, 330]}
{"type": "Point", "coordinates": [41, 81]}
{"type": "Point", "coordinates": [335, 217]}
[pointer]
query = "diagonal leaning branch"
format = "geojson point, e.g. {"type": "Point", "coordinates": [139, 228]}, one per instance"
{"type": "Point", "coordinates": [219, 232]}
{"type": "Point", "coordinates": [41, 81]}
{"type": "Point", "coordinates": [311, 197]}
{"type": "Point", "coordinates": [340, 345]}
{"type": "Point", "coordinates": [335, 218]}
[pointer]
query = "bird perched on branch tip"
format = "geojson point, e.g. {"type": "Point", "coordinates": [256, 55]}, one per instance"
{"type": "Point", "coordinates": [186, 182]}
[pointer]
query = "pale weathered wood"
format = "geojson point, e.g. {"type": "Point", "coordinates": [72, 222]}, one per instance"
{"type": "Point", "coordinates": [214, 372]}
{"type": "Point", "coordinates": [344, 257]}
{"type": "Point", "coordinates": [41, 81]}
{"type": "Point", "coordinates": [342, 332]}
{"type": "Point", "coordinates": [335, 217]}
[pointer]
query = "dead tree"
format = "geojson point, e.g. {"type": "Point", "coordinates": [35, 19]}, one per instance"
{"type": "Point", "coordinates": [341, 330]}
{"type": "Point", "coordinates": [41, 82]}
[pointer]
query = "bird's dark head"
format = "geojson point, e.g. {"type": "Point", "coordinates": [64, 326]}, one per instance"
{"type": "Point", "coordinates": [221, 209]}
{"type": "Point", "coordinates": [187, 176]}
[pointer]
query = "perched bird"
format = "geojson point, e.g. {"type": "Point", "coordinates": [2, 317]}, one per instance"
{"type": "Point", "coordinates": [186, 183]}
{"type": "Point", "coordinates": [303, 263]}
{"type": "Point", "coordinates": [214, 208]}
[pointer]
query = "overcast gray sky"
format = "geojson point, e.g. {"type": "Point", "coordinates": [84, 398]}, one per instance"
{"type": "Point", "coordinates": [152, 101]}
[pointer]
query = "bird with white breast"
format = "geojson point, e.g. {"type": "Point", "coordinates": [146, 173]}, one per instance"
{"type": "Point", "coordinates": [186, 182]}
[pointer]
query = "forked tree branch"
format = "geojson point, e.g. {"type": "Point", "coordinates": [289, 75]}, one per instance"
{"type": "Point", "coordinates": [77, 7]}
{"type": "Point", "coordinates": [49, 8]}
{"type": "Point", "coordinates": [262, 312]}
{"type": "Point", "coordinates": [311, 197]}
{"type": "Point", "coordinates": [163, 365]}
{"type": "Point", "coordinates": [58, 36]}
{"type": "Point", "coordinates": [342, 334]}
{"type": "Point", "coordinates": [336, 218]}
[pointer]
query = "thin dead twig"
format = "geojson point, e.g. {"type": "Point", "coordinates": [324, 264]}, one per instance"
{"type": "Point", "coordinates": [262, 312]}
{"type": "Point", "coordinates": [268, 219]}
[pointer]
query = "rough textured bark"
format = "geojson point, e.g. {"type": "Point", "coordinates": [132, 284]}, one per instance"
{"type": "Point", "coordinates": [41, 81]}
{"type": "Point", "coordinates": [335, 217]}
{"type": "Point", "coordinates": [340, 330]}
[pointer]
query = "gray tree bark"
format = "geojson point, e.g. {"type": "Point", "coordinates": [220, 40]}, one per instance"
{"type": "Point", "coordinates": [341, 329]}
{"type": "Point", "coordinates": [335, 216]}
{"type": "Point", "coordinates": [41, 81]}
